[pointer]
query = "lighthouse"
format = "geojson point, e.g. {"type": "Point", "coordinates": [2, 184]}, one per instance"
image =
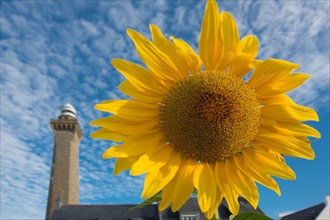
{"type": "Point", "coordinates": [64, 179]}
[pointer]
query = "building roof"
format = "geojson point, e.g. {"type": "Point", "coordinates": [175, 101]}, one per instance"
{"type": "Point", "coordinates": [122, 212]}
{"type": "Point", "coordinates": [325, 214]}
{"type": "Point", "coordinates": [306, 214]}
{"type": "Point", "coordinates": [105, 212]}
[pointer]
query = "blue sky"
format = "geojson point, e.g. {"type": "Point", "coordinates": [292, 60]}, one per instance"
{"type": "Point", "coordinates": [54, 52]}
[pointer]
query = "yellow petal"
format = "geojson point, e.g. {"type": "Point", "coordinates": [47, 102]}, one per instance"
{"type": "Point", "coordinates": [228, 192]}
{"type": "Point", "coordinates": [255, 63]}
{"type": "Point", "coordinates": [209, 41]}
{"type": "Point", "coordinates": [286, 84]}
{"type": "Point", "coordinates": [290, 128]}
{"type": "Point", "coordinates": [184, 185]}
{"type": "Point", "coordinates": [292, 81]}
{"type": "Point", "coordinates": [157, 61]}
{"type": "Point", "coordinates": [211, 211]}
{"type": "Point", "coordinates": [123, 164]}
{"type": "Point", "coordinates": [204, 182]}
{"type": "Point", "coordinates": [192, 60]}
{"type": "Point", "coordinates": [152, 160]}
{"type": "Point", "coordinates": [139, 77]}
{"type": "Point", "coordinates": [280, 99]}
{"type": "Point", "coordinates": [108, 135]}
{"type": "Point", "coordinates": [261, 178]}
{"type": "Point", "coordinates": [259, 147]}
{"type": "Point", "coordinates": [246, 53]}
{"type": "Point", "coordinates": [156, 180]}
{"type": "Point", "coordinates": [286, 145]}
{"type": "Point", "coordinates": [184, 61]}
{"type": "Point", "coordinates": [287, 103]}
{"type": "Point", "coordinates": [167, 195]}
{"type": "Point", "coordinates": [130, 109]}
{"type": "Point", "coordinates": [228, 40]}
{"type": "Point", "coordinates": [270, 71]}
{"type": "Point", "coordinates": [266, 163]}
{"type": "Point", "coordinates": [135, 145]}
{"type": "Point", "coordinates": [124, 126]}
{"type": "Point", "coordinates": [293, 113]}
{"type": "Point", "coordinates": [184, 46]}
{"type": "Point", "coordinates": [141, 95]}
{"type": "Point", "coordinates": [242, 183]}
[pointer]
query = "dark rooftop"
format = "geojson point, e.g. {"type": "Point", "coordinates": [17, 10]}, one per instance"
{"type": "Point", "coordinates": [306, 214]}
{"type": "Point", "coordinates": [105, 212]}
{"type": "Point", "coordinates": [122, 212]}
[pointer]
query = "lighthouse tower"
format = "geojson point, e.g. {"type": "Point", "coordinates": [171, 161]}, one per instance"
{"type": "Point", "coordinates": [64, 180]}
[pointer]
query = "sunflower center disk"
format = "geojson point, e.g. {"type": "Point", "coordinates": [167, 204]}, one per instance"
{"type": "Point", "coordinates": [210, 116]}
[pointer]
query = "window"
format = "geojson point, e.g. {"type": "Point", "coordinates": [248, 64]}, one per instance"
{"type": "Point", "coordinates": [189, 217]}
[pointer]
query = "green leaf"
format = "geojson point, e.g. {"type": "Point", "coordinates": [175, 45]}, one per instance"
{"type": "Point", "coordinates": [251, 216]}
{"type": "Point", "coordinates": [156, 198]}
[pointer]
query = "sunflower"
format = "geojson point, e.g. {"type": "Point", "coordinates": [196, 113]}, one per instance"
{"type": "Point", "coordinates": [193, 122]}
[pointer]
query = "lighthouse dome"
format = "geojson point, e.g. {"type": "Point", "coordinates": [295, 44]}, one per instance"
{"type": "Point", "coordinates": [67, 111]}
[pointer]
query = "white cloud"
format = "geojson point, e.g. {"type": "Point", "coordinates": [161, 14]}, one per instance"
{"type": "Point", "coordinates": [23, 179]}
{"type": "Point", "coordinates": [313, 92]}
{"type": "Point", "coordinates": [124, 15]}
{"type": "Point", "coordinates": [161, 6]}
{"type": "Point", "coordinates": [90, 28]}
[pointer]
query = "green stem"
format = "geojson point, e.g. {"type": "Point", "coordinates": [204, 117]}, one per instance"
{"type": "Point", "coordinates": [216, 215]}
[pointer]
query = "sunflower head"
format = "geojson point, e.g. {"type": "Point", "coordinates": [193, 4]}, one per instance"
{"type": "Point", "coordinates": [193, 123]}
{"type": "Point", "coordinates": [210, 116]}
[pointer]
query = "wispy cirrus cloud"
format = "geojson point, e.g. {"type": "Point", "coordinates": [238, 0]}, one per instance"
{"type": "Point", "coordinates": [49, 59]}
{"type": "Point", "coordinates": [53, 52]}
